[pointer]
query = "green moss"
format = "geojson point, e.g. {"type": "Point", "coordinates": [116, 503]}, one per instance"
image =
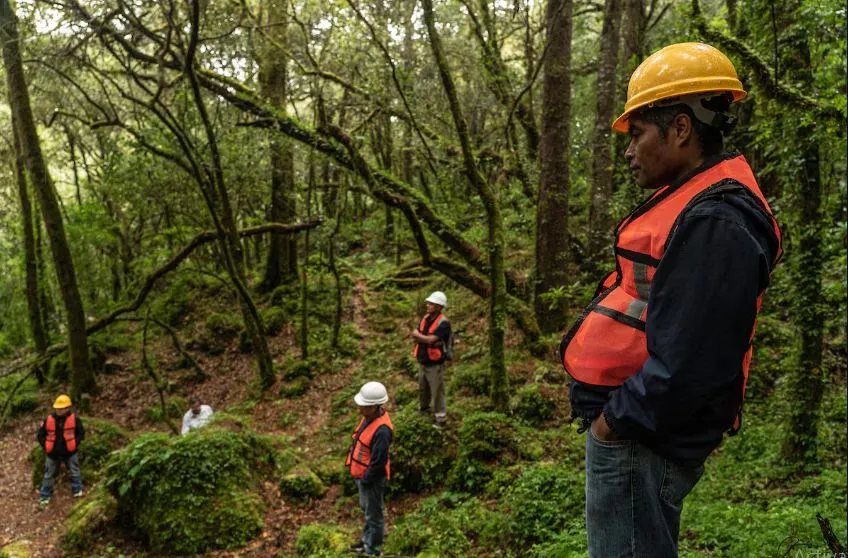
{"type": "Point", "coordinates": [295, 388]}
{"type": "Point", "coordinates": [193, 493]}
{"type": "Point", "coordinates": [322, 541]}
{"type": "Point", "coordinates": [421, 454]}
{"type": "Point", "coordinates": [473, 380]}
{"type": "Point", "coordinates": [485, 439]}
{"type": "Point", "coordinates": [275, 319]}
{"type": "Point", "coordinates": [17, 549]}
{"type": "Point", "coordinates": [102, 437]}
{"type": "Point", "coordinates": [533, 404]}
{"type": "Point", "coordinates": [298, 369]}
{"type": "Point", "coordinates": [302, 484]}
{"type": "Point", "coordinates": [88, 519]}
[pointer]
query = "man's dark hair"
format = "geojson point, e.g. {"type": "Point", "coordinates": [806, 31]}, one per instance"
{"type": "Point", "coordinates": [194, 400]}
{"type": "Point", "coordinates": [710, 138]}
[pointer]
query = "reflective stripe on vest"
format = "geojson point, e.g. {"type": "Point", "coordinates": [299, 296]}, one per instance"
{"type": "Point", "coordinates": [607, 344]}
{"type": "Point", "coordinates": [69, 429]}
{"type": "Point", "coordinates": [359, 454]}
{"type": "Point", "coordinates": [434, 353]}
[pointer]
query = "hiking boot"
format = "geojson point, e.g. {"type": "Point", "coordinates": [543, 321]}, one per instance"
{"type": "Point", "coordinates": [358, 546]}
{"type": "Point", "coordinates": [78, 494]}
{"type": "Point", "coordinates": [438, 425]}
{"type": "Point", "coordinates": [42, 503]}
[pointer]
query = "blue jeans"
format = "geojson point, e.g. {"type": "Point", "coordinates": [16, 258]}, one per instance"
{"type": "Point", "coordinates": [51, 466]}
{"type": "Point", "coordinates": [634, 499]}
{"type": "Point", "coordinates": [371, 502]}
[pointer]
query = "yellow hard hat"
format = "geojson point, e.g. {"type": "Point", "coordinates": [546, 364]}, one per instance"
{"type": "Point", "coordinates": [62, 402]}
{"type": "Point", "coordinates": [676, 70]}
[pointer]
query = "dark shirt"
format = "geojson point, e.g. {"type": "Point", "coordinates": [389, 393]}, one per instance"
{"type": "Point", "coordinates": [443, 332]}
{"type": "Point", "coordinates": [60, 449]}
{"type": "Point", "coordinates": [379, 452]}
{"type": "Point", "coordinates": [701, 309]}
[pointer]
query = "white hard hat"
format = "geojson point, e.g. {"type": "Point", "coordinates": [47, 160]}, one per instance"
{"type": "Point", "coordinates": [372, 393]}
{"type": "Point", "coordinates": [438, 297]}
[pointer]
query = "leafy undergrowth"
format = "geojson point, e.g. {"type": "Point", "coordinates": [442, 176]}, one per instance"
{"type": "Point", "coordinates": [490, 484]}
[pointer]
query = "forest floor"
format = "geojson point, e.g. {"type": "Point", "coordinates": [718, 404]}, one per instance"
{"type": "Point", "coordinates": [125, 397]}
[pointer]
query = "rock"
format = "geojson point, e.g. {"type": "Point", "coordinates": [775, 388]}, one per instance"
{"type": "Point", "coordinates": [17, 549]}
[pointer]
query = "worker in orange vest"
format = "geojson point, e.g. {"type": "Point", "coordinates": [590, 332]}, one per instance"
{"type": "Point", "coordinates": [369, 463]}
{"type": "Point", "coordinates": [60, 435]}
{"type": "Point", "coordinates": [433, 347]}
{"type": "Point", "coordinates": [659, 359]}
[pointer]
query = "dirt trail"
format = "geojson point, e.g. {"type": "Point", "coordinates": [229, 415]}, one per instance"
{"type": "Point", "coordinates": [126, 396]}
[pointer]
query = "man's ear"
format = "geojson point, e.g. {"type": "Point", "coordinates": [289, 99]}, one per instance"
{"type": "Point", "coordinates": [682, 129]}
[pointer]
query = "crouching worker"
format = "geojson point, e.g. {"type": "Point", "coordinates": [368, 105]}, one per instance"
{"type": "Point", "coordinates": [368, 460]}
{"type": "Point", "coordinates": [60, 435]}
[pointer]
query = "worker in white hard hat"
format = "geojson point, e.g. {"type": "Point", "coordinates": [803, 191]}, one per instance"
{"type": "Point", "coordinates": [369, 463]}
{"type": "Point", "coordinates": [433, 347]}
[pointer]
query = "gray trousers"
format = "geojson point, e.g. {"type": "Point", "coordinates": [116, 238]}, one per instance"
{"type": "Point", "coordinates": [431, 390]}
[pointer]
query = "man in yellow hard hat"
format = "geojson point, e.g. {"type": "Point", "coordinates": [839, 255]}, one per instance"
{"type": "Point", "coordinates": [660, 357]}
{"type": "Point", "coordinates": [60, 435]}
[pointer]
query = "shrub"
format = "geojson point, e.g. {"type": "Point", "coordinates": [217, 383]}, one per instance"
{"type": "Point", "coordinates": [406, 395]}
{"type": "Point", "coordinates": [483, 437]}
{"type": "Point", "coordinates": [295, 388]}
{"type": "Point", "coordinates": [302, 484]}
{"type": "Point", "coordinates": [193, 493]}
{"type": "Point", "coordinates": [275, 318]}
{"type": "Point", "coordinates": [88, 519]}
{"type": "Point", "coordinates": [175, 407]}
{"type": "Point", "coordinates": [26, 397]}
{"type": "Point", "coordinates": [223, 325]}
{"type": "Point", "coordinates": [322, 541]}
{"type": "Point", "coordinates": [445, 527]}
{"type": "Point", "coordinates": [297, 369]}
{"type": "Point", "coordinates": [287, 298]}
{"type": "Point", "coordinates": [531, 404]}
{"type": "Point", "coordinates": [102, 437]}
{"type": "Point", "coordinates": [474, 380]}
{"type": "Point", "coordinates": [421, 455]}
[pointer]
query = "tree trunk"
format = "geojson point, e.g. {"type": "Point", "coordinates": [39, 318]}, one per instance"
{"type": "Point", "coordinates": [273, 80]}
{"type": "Point", "coordinates": [805, 378]}
{"type": "Point", "coordinates": [82, 377]}
{"type": "Point", "coordinates": [552, 213]}
{"type": "Point", "coordinates": [600, 227]}
{"type": "Point", "coordinates": [494, 222]}
{"type": "Point", "coordinates": [30, 262]}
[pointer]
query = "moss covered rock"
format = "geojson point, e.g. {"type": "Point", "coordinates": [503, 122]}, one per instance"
{"type": "Point", "coordinates": [194, 493]}
{"type": "Point", "coordinates": [294, 388]}
{"type": "Point", "coordinates": [322, 541]}
{"type": "Point", "coordinates": [17, 549]}
{"type": "Point", "coordinates": [301, 484]}
{"type": "Point", "coordinates": [102, 437]}
{"type": "Point", "coordinates": [88, 519]}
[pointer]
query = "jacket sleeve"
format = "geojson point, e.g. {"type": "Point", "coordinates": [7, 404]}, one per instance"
{"type": "Point", "coordinates": [79, 430]}
{"type": "Point", "coordinates": [41, 435]}
{"type": "Point", "coordinates": [379, 455]}
{"type": "Point", "coordinates": [701, 312]}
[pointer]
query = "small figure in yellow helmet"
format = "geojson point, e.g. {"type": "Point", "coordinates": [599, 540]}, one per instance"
{"type": "Point", "coordinates": [660, 357]}
{"type": "Point", "coordinates": [60, 435]}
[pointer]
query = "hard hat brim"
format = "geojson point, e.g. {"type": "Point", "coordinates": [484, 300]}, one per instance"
{"type": "Point", "coordinates": [61, 405]}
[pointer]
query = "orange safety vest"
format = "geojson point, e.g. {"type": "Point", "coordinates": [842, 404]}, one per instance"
{"type": "Point", "coordinates": [607, 344]}
{"type": "Point", "coordinates": [69, 433]}
{"type": "Point", "coordinates": [359, 454]}
{"type": "Point", "coordinates": [434, 352]}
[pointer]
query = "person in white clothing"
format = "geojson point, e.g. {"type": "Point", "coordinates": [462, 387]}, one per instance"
{"type": "Point", "coordinates": [196, 417]}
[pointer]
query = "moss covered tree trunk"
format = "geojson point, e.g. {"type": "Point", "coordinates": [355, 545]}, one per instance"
{"type": "Point", "coordinates": [552, 213]}
{"type": "Point", "coordinates": [82, 376]}
{"type": "Point", "coordinates": [281, 264]}
{"type": "Point", "coordinates": [36, 325]}
{"type": "Point", "coordinates": [805, 378]}
{"type": "Point", "coordinates": [600, 227]}
{"type": "Point", "coordinates": [496, 242]}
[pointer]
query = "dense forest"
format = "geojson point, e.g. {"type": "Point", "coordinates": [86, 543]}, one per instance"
{"type": "Point", "coordinates": [247, 201]}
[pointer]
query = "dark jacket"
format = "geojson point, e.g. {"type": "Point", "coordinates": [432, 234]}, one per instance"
{"type": "Point", "coordinates": [702, 306]}
{"type": "Point", "coordinates": [60, 449]}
